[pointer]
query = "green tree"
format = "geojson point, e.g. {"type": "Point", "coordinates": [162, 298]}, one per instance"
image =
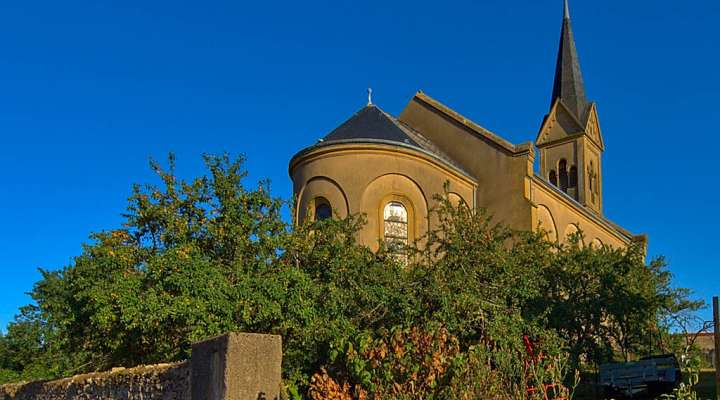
{"type": "Point", "coordinates": [196, 258]}
{"type": "Point", "coordinates": [202, 257]}
{"type": "Point", "coordinates": [607, 302]}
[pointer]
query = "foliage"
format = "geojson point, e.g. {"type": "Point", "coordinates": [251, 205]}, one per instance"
{"type": "Point", "coordinates": [30, 351]}
{"type": "Point", "coordinates": [196, 259]}
{"type": "Point", "coordinates": [681, 331]}
{"type": "Point", "coordinates": [605, 299]}
{"type": "Point", "coordinates": [686, 390]}
{"type": "Point", "coordinates": [404, 363]}
{"type": "Point", "coordinates": [201, 257]}
{"type": "Point", "coordinates": [414, 363]}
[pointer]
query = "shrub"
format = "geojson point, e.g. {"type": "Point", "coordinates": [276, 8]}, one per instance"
{"type": "Point", "coordinates": [414, 363]}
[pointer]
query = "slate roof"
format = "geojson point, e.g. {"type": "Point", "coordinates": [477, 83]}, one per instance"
{"type": "Point", "coordinates": [373, 125]}
{"type": "Point", "coordinates": [569, 86]}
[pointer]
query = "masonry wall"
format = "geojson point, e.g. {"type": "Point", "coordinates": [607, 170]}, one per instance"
{"type": "Point", "coordinates": [164, 381]}
{"type": "Point", "coordinates": [234, 366]}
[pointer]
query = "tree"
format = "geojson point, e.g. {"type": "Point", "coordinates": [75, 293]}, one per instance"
{"type": "Point", "coordinates": [607, 300]}
{"type": "Point", "coordinates": [197, 258]}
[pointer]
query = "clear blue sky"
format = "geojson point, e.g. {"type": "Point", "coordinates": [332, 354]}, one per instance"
{"type": "Point", "coordinates": [89, 91]}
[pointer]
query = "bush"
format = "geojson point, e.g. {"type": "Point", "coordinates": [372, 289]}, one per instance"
{"type": "Point", "coordinates": [414, 363]}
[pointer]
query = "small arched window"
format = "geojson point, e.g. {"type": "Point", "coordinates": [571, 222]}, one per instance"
{"type": "Point", "coordinates": [323, 210]}
{"type": "Point", "coordinates": [395, 217]}
{"type": "Point", "coordinates": [562, 166]}
{"type": "Point", "coordinates": [573, 178]}
{"type": "Point", "coordinates": [553, 177]}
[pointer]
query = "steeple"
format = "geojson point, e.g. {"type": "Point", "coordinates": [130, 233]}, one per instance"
{"type": "Point", "coordinates": [570, 141]}
{"type": "Point", "coordinates": [569, 85]}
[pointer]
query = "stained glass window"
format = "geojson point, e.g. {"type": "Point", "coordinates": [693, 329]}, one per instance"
{"type": "Point", "coordinates": [396, 227]}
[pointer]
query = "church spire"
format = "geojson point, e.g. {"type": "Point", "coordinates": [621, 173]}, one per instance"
{"type": "Point", "coordinates": [569, 85]}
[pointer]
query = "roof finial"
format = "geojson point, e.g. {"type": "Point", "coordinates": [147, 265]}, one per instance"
{"type": "Point", "coordinates": [369, 97]}
{"type": "Point", "coordinates": [567, 10]}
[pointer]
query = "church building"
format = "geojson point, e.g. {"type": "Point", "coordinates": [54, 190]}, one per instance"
{"type": "Point", "coordinates": [391, 167]}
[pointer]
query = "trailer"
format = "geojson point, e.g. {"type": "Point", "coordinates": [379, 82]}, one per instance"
{"type": "Point", "coordinates": [649, 377]}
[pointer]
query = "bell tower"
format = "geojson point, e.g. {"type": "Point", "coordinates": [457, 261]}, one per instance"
{"type": "Point", "coordinates": [570, 141]}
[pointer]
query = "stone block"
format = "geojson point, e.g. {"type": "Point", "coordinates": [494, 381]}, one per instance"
{"type": "Point", "coordinates": [237, 366]}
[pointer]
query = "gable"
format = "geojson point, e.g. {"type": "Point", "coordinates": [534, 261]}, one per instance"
{"type": "Point", "coordinates": [428, 104]}
{"type": "Point", "coordinates": [592, 129]}
{"type": "Point", "coordinates": [559, 124]}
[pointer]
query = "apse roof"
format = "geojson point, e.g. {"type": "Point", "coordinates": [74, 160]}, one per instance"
{"type": "Point", "coordinates": [373, 125]}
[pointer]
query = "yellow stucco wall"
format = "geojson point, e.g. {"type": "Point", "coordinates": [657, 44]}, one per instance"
{"type": "Point", "coordinates": [556, 213]}
{"type": "Point", "coordinates": [507, 185]}
{"type": "Point", "coordinates": [501, 169]}
{"type": "Point", "coordinates": [363, 178]}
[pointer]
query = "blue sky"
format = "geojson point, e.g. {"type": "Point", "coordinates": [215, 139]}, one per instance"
{"type": "Point", "coordinates": [89, 91]}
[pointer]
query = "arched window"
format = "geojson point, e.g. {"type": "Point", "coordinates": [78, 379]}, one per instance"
{"type": "Point", "coordinates": [573, 178]}
{"type": "Point", "coordinates": [553, 177]}
{"type": "Point", "coordinates": [323, 210]}
{"type": "Point", "coordinates": [395, 216]}
{"type": "Point", "coordinates": [562, 166]}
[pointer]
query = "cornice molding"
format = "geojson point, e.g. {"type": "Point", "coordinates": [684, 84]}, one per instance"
{"type": "Point", "coordinates": [609, 226]}
{"type": "Point", "coordinates": [467, 124]}
{"type": "Point", "coordinates": [339, 148]}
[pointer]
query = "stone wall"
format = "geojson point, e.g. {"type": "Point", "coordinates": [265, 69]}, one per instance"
{"type": "Point", "coordinates": [164, 381]}
{"type": "Point", "coordinates": [235, 366]}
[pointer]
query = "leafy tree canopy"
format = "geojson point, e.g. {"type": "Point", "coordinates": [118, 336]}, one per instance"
{"type": "Point", "coordinates": [206, 256]}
